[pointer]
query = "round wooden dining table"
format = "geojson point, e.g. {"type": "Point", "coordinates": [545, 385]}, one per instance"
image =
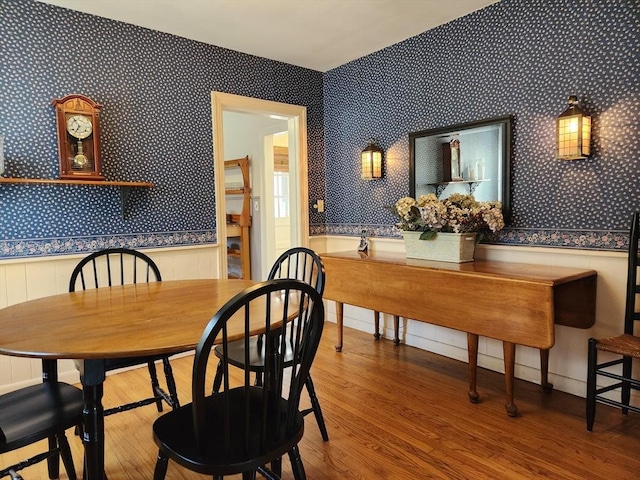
{"type": "Point", "coordinates": [114, 322]}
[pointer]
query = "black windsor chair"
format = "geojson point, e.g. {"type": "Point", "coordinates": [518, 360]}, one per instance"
{"type": "Point", "coordinates": [242, 429]}
{"type": "Point", "coordinates": [121, 266]}
{"type": "Point", "coordinates": [31, 414]}
{"type": "Point", "coordinates": [297, 263]}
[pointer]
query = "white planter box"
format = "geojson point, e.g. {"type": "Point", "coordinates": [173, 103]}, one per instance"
{"type": "Point", "coordinates": [444, 247]}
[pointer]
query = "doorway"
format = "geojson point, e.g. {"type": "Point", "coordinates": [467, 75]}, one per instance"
{"type": "Point", "coordinates": [279, 215]}
{"type": "Point", "coordinates": [284, 224]}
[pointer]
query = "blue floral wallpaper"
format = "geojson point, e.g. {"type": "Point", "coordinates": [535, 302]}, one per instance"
{"type": "Point", "coordinates": [516, 57]}
{"type": "Point", "coordinates": [519, 58]}
{"type": "Point", "coordinates": [155, 90]}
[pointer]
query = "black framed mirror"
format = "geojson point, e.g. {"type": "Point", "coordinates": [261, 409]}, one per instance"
{"type": "Point", "coordinates": [473, 157]}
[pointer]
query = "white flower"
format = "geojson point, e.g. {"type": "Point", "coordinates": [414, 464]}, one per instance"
{"type": "Point", "coordinates": [403, 207]}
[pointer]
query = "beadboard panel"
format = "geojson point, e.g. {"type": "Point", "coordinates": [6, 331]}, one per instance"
{"type": "Point", "coordinates": [568, 358]}
{"type": "Point", "coordinates": [28, 279]}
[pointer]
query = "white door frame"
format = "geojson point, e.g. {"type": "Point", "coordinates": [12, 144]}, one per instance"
{"type": "Point", "coordinates": [298, 114]}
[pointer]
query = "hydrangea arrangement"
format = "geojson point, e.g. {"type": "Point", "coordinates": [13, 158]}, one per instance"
{"type": "Point", "coordinates": [456, 214]}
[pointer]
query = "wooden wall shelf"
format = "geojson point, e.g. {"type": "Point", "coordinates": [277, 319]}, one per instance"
{"type": "Point", "coordinates": [124, 186]}
{"type": "Point", "coordinates": [471, 184]}
{"type": "Point", "coordinates": [75, 182]}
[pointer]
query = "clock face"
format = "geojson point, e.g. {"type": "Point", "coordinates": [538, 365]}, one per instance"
{"type": "Point", "coordinates": [79, 126]}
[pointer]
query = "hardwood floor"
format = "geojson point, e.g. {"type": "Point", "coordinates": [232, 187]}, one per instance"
{"type": "Point", "coordinates": [401, 413]}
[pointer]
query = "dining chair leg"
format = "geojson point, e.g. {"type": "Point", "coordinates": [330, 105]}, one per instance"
{"type": "Point", "coordinates": [296, 464]}
{"type": "Point", "coordinates": [65, 454]}
{"type": "Point", "coordinates": [317, 411]}
{"type": "Point", "coordinates": [276, 466]}
{"type": "Point", "coordinates": [155, 385]}
{"type": "Point", "coordinates": [162, 463]}
{"type": "Point", "coordinates": [53, 462]}
{"type": "Point", "coordinates": [171, 384]}
{"type": "Point", "coordinates": [592, 361]}
{"type": "Point", "coordinates": [258, 382]}
{"type": "Point", "coordinates": [626, 385]}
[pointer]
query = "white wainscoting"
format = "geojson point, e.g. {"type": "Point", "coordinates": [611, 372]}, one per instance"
{"type": "Point", "coordinates": [568, 358]}
{"type": "Point", "coordinates": [28, 279]}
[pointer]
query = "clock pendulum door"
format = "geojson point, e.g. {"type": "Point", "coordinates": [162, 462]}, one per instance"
{"type": "Point", "coordinates": [80, 128]}
{"type": "Point", "coordinates": [80, 161]}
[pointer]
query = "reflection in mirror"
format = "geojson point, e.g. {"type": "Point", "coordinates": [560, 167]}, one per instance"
{"type": "Point", "coordinates": [468, 158]}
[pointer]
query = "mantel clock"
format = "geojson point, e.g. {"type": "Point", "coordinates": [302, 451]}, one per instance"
{"type": "Point", "coordinates": [78, 127]}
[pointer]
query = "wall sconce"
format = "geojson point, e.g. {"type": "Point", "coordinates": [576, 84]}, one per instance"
{"type": "Point", "coordinates": [573, 133]}
{"type": "Point", "coordinates": [372, 161]}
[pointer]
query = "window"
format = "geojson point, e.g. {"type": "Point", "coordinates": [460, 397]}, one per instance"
{"type": "Point", "coordinates": [281, 194]}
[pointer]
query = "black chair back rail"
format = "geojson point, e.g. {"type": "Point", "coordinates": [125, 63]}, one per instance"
{"type": "Point", "coordinates": [123, 266]}
{"type": "Point", "coordinates": [114, 266]}
{"type": "Point", "coordinates": [622, 348]}
{"type": "Point", "coordinates": [241, 429]}
{"type": "Point", "coordinates": [300, 263]}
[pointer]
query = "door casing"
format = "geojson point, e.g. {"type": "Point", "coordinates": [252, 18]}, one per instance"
{"type": "Point", "coordinates": [297, 117]}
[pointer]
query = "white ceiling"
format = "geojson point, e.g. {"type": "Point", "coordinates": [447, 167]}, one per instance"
{"type": "Point", "coordinates": [316, 34]}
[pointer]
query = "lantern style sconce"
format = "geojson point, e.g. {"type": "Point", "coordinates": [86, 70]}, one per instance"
{"type": "Point", "coordinates": [372, 161]}
{"type": "Point", "coordinates": [573, 133]}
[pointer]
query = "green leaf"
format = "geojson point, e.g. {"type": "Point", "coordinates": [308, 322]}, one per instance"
{"type": "Point", "coordinates": [428, 235]}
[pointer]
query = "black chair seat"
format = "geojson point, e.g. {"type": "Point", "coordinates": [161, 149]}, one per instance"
{"type": "Point", "coordinates": [34, 413]}
{"type": "Point", "coordinates": [625, 344]}
{"type": "Point", "coordinates": [236, 351]}
{"type": "Point", "coordinates": [174, 433]}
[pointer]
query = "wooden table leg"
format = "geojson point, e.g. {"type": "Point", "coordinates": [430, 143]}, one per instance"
{"type": "Point", "coordinates": [509, 350]}
{"type": "Point", "coordinates": [544, 370]}
{"type": "Point", "coordinates": [339, 324]}
{"type": "Point", "coordinates": [396, 330]}
{"type": "Point", "coordinates": [472, 349]}
{"type": "Point", "coordinates": [396, 327]}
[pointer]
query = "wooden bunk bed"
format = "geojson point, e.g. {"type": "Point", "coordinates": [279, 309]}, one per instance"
{"type": "Point", "coordinates": [238, 251]}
